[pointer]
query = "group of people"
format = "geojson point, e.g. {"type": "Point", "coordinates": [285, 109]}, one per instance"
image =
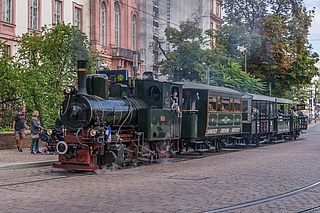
{"type": "Point", "coordinates": [19, 127]}
{"type": "Point", "coordinates": [189, 102]}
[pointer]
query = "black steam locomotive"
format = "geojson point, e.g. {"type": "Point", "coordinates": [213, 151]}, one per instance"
{"type": "Point", "coordinates": [136, 121]}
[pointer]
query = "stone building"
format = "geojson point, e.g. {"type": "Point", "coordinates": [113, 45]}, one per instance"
{"type": "Point", "coordinates": [123, 31]}
{"type": "Point", "coordinates": [157, 15]}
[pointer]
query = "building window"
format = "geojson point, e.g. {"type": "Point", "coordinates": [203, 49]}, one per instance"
{"type": "Point", "coordinates": [103, 24]}
{"type": "Point", "coordinates": [134, 33]}
{"type": "Point", "coordinates": [211, 6]}
{"type": "Point", "coordinates": [116, 25]}
{"type": "Point", "coordinates": [7, 11]}
{"type": "Point", "coordinates": [218, 9]}
{"type": "Point", "coordinates": [34, 14]}
{"type": "Point", "coordinates": [5, 52]}
{"type": "Point", "coordinates": [57, 11]}
{"type": "Point", "coordinates": [77, 17]}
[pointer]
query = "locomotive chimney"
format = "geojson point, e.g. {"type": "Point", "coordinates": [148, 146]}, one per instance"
{"type": "Point", "coordinates": [82, 77]}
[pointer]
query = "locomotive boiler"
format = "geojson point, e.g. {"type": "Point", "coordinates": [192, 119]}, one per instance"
{"type": "Point", "coordinates": [101, 122]}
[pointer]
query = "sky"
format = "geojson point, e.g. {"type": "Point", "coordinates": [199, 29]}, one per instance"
{"type": "Point", "coordinates": [314, 37]}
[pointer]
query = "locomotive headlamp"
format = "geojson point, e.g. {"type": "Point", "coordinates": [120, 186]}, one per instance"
{"type": "Point", "coordinates": [49, 131]}
{"type": "Point", "coordinates": [93, 132]}
{"type": "Point", "coordinates": [69, 90]}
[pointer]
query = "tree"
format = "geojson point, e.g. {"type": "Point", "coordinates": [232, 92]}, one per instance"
{"type": "Point", "coordinates": [283, 58]}
{"type": "Point", "coordinates": [47, 64]}
{"type": "Point", "coordinates": [189, 61]}
{"type": "Point", "coordinates": [10, 87]}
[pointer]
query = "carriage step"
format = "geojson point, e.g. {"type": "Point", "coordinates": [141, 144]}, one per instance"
{"type": "Point", "coordinates": [196, 142]}
{"type": "Point", "coordinates": [201, 150]}
{"type": "Point", "coordinates": [240, 144]}
{"type": "Point", "coordinates": [237, 138]}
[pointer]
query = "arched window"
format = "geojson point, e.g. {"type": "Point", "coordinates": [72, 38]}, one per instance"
{"type": "Point", "coordinates": [134, 33]}
{"type": "Point", "coordinates": [103, 24]}
{"type": "Point", "coordinates": [116, 25]}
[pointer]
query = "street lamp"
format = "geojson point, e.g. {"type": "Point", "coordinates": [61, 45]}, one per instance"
{"type": "Point", "coordinates": [135, 63]}
{"type": "Point", "coordinates": [243, 50]}
{"type": "Point", "coordinates": [207, 73]}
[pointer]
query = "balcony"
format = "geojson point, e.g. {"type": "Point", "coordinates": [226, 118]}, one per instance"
{"type": "Point", "coordinates": [124, 53]}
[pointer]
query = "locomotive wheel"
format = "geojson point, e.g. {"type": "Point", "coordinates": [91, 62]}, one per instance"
{"type": "Point", "coordinates": [257, 142]}
{"type": "Point", "coordinates": [218, 146]}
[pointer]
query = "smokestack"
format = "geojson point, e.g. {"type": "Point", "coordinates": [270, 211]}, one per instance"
{"type": "Point", "coordinates": [82, 77]}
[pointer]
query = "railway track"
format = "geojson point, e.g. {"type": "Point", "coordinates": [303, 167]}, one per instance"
{"type": "Point", "coordinates": [269, 199]}
{"type": "Point", "coordinates": [39, 177]}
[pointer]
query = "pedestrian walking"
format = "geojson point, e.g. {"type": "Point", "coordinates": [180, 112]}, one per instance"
{"type": "Point", "coordinates": [35, 129]}
{"type": "Point", "coordinates": [19, 127]}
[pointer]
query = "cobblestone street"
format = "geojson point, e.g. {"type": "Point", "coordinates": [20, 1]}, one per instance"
{"type": "Point", "coordinates": [196, 185]}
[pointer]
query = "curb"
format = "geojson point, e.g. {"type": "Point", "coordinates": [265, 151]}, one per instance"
{"type": "Point", "coordinates": [26, 165]}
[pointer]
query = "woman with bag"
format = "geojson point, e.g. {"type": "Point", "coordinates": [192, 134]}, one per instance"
{"type": "Point", "coordinates": [35, 129]}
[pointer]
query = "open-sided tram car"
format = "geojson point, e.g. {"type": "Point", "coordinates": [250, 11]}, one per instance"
{"type": "Point", "coordinates": [268, 119]}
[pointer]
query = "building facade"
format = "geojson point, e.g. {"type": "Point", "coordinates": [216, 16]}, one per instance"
{"type": "Point", "coordinates": [23, 16]}
{"type": "Point", "coordinates": [157, 15]}
{"type": "Point", "coordinates": [124, 32]}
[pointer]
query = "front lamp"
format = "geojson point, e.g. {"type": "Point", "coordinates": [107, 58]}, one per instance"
{"type": "Point", "coordinates": [70, 90]}
{"type": "Point", "coordinates": [49, 131]}
{"type": "Point", "coordinates": [93, 132]}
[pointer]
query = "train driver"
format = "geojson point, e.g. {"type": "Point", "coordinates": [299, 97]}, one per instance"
{"type": "Point", "coordinates": [175, 101]}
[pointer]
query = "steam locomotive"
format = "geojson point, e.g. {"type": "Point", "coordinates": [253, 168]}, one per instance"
{"type": "Point", "coordinates": [134, 121]}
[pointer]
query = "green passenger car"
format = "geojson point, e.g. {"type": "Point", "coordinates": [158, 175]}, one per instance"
{"type": "Point", "coordinates": [211, 116]}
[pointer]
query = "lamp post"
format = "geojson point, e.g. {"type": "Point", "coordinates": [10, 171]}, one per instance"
{"type": "Point", "coordinates": [135, 63]}
{"type": "Point", "coordinates": [207, 73]}
{"type": "Point", "coordinates": [243, 50]}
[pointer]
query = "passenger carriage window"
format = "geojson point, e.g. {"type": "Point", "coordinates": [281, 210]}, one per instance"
{"type": "Point", "coordinates": [232, 108]}
{"type": "Point", "coordinates": [219, 104]}
{"type": "Point", "coordinates": [212, 104]}
{"type": "Point", "coordinates": [225, 104]}
{"type": "Point", "coordinates": [264, 108]}
{"type": "Point", "coordinates": [237, 105]}
{"type": "Point", "coordinates": [245, 110]}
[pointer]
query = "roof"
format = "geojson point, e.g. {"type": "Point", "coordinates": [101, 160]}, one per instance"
{"type": "Point", "coordinates": [191, 85]}
{"type": "Point", "coordinates": [267, 98]}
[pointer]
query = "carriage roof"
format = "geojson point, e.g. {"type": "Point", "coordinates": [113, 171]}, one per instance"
{"type": "Point", "coordinates": [191, 85]}
{"type": "Point", "coordinates": [267, 98]}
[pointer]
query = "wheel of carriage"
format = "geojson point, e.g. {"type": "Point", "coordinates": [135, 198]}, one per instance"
{"type": "Point", "coordinates": [218, 146]}
{"type": "Point", "coordinates": [45, 151]}
{"type": "Point", "coordinates": [257, 142]}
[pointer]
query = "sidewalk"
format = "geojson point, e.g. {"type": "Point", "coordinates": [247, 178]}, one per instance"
{"type": "Point", "coordinates": [11, 159]}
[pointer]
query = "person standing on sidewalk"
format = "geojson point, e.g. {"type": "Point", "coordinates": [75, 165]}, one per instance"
{"type": "Point", "coordinates": [35, 129]}
{"type": "Point", "coordinates": [19, 127]}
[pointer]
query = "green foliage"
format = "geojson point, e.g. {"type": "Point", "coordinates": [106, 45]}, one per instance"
{"type": "Point", "coordinates": [5, 128]}
{"type": "Point", "coordinates": [8, 78]}
{"type": "Point", "coordinates": [10, 87]}
{"type": "Point", "coordinates": [46, 65]}
{"type": "Point", "coordinates": [191, 57]}
{"type": "Point", "coordinates": [281, 55]}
